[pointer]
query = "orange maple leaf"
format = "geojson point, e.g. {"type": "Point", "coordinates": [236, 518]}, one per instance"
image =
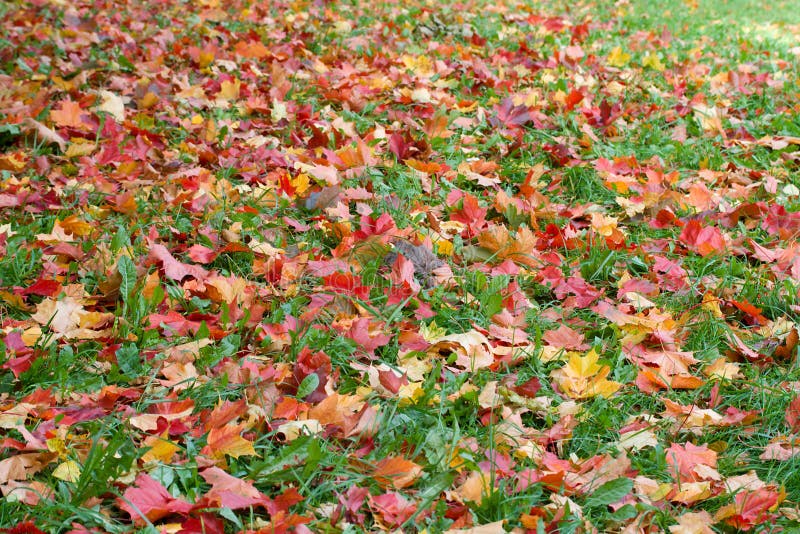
{"type": "Point", "coordinates": [396, 472]}
{"type": "Point", "coordinates": [68, 115]}
{"type": "Point", "coordinates": [227, 440]}
{"type": "Point", "coordinates": [519, 249]}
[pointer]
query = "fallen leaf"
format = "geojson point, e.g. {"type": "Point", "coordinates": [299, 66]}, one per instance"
{"type": "Point", "coordinates": [112, 104]}
{"type": "Point", "coordinates": [69, 471]}
{"type": "Point", "coordinates": [693, 523]}
{"type": "Point", "coordinates": [227, 441]}
{"type": "Point", "coordinates": [583, 378]}
{"type": "Point", "coordinates": [231, 492]}
{"type": "Point", "coordinates": [148, 500]}
{"type": "Point", "coordinates": [472, 349]}
{"type": "Point", "coordinates": [396, 472]}
{"type": "Point", "coordinates": [67, 115]}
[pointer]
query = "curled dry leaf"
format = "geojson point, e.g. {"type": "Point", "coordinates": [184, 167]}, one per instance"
{"type": "Point", "coordinates": [472, 349]}
{"type": "Point", "coordinates": [43, 132]}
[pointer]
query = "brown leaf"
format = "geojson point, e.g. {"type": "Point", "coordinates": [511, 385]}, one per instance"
{"type": "Point", "coordinates": [45, 133]}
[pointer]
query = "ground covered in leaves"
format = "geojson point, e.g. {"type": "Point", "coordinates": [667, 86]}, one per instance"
{"type": "Point", "coordinates": [365, 266]}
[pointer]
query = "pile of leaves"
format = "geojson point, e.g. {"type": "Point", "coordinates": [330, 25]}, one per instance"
{"type": "Point", "coordinates": [402, 265]}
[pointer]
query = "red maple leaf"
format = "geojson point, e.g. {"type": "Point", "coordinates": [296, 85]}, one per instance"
{"type": "Point", "coordinates": [705, 240]}
{"type": "Point", "coordinates": [752, 508]}
{"type": "Point", "coordinates": [793, 414]}
{"type": "Point", "coordinates": [683, 459]}
{"type": "Point", "coordinates": [230, 492]}
{"type": "Point", "coordinates": [149, 499]}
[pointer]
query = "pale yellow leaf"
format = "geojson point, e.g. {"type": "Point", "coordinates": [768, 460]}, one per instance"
{"type": "Point", "coordinates": [68, 471]}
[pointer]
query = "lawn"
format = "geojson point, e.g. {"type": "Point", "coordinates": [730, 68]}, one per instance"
{"type": "Point", "coordinates": [402, 266]}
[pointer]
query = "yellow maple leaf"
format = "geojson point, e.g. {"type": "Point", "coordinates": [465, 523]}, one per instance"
{"type": "Point", "coordinates": [652, 61]}
{"type": "Point", "coordinates": [432, 332]}
{"type": "Point", "coordinates": [205, 59]}
{"type": "Point", "coordinates": [14, 161]}
{"type": "Point", "coordinates": [229, 90]}
{"type": "Point", "coordinates": [68, 471]}
{"type": "Point", "coordinates": [76, 226]}
{"type": "Point", "coordinates": [410, 393]}
{"type": "Point", "coordinates": [582, 377]}
{"type": "Point", "coordinates": [161, 449]}
{"type": "Point", "coordinates": [604, 225]}
{"type": "Point", "coordinates": [301, 183]}
{"type": "Point", "coordinates": [618, 58]}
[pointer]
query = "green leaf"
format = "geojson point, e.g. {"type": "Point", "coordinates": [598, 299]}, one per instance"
{"type": "Point", "coordinates": [610, 492]}
{"type": "Point", "coordinates": [229, 514]}
{"type": "Point", "coordinates": [493, 304]}
{"type": "Point", "coordinates": [120, 239]}
{"type": "Point", "coordinates": [626, 512]}
{"type": "Point", "coordinates": [127, 270]}
{"type": "Point", "coordinates": [308, 385]}
{"type": "Point", "coordinates": [125, 63]}
{"type": "Point", "coordinates": [128, 359]}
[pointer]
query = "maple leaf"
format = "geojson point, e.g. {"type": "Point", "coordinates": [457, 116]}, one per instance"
{"type": "Point", "coordinates": [781, 449]}
{"type": "Point", "coordinates": [566, 338]}
{"type": "Point", "coordinates": [793, 414]}
{"type": "Point", "coordinates": [520, 249]}
{"type": "Point", "coordinates": [68, 115]}
{"type": "Point", "coordinates": [471, 213]}
{"type": "Point", "coordinates": [475, 487]}
{"type": "Point", "coordinates": [69, 471]}
{"type": "Point", "coordinates": [618, 58]}
{"type": "Point", "coordinates": [231, 492]}
{"type": "Point", "coordinates": [173, 268]}
{"type": "Point", "coordinates": [472, 349]}
{"type": "Point", "coordinates": [317, 363]}
{"type": "Point", "coordinates": [227, 440]}
{"type": "Point", "coordinates": [396, 472]}
{"type": "Point", "coordinates": [703, 240]}
{"type": "Point", "coordinates": [203, 523]}
{"type": "Point", "coordinates": [16, 161]}
{"type": "Point", "coordinates": [170, 411]}
{"type": "Point", "coordinates": [148, 500]}
{"type": "Point", "coordinates": [436, 127]}
{"type": "Point", "coordinates": [337, 409]}
{"type": "Point", "coordinates": [694, 419]}
{"type": "Point", "coordinates": [507, 114]}
{"type": "Point", "coordinates": [291, 430]}
{"type": "Point", "coordinates": [352, 501]}
{"type": "Point", "coordinates": [44, 133]}
{"type": "Point", "coordinates": [22, 466]}
{"type": "Point", "coordinates": [690, 462]}
{"type": "Point", "coordinates": [112, 104]}
{"type": "Point", "coordinates": [391, 509]}
{"type": "Point", "coordinates": [582, 377]}
{"type": "Point", "coordinates": [637, 439]}
{"type": "Point", "coordinates": [693, 523]}
{"type": "Point", "coordinates": [26, 527]}
{"type": "Point", "coordinates": [751, 508]}
{"type": "Point", "coordinates": [63, 315]}
{"type": "Point", "coordinates": [224, 412]}
{"type": "Point", "coordinates": [161, 449]}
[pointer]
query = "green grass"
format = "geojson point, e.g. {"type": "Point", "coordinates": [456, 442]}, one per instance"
{"type": "Point", "coordinates": [359, 67]}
